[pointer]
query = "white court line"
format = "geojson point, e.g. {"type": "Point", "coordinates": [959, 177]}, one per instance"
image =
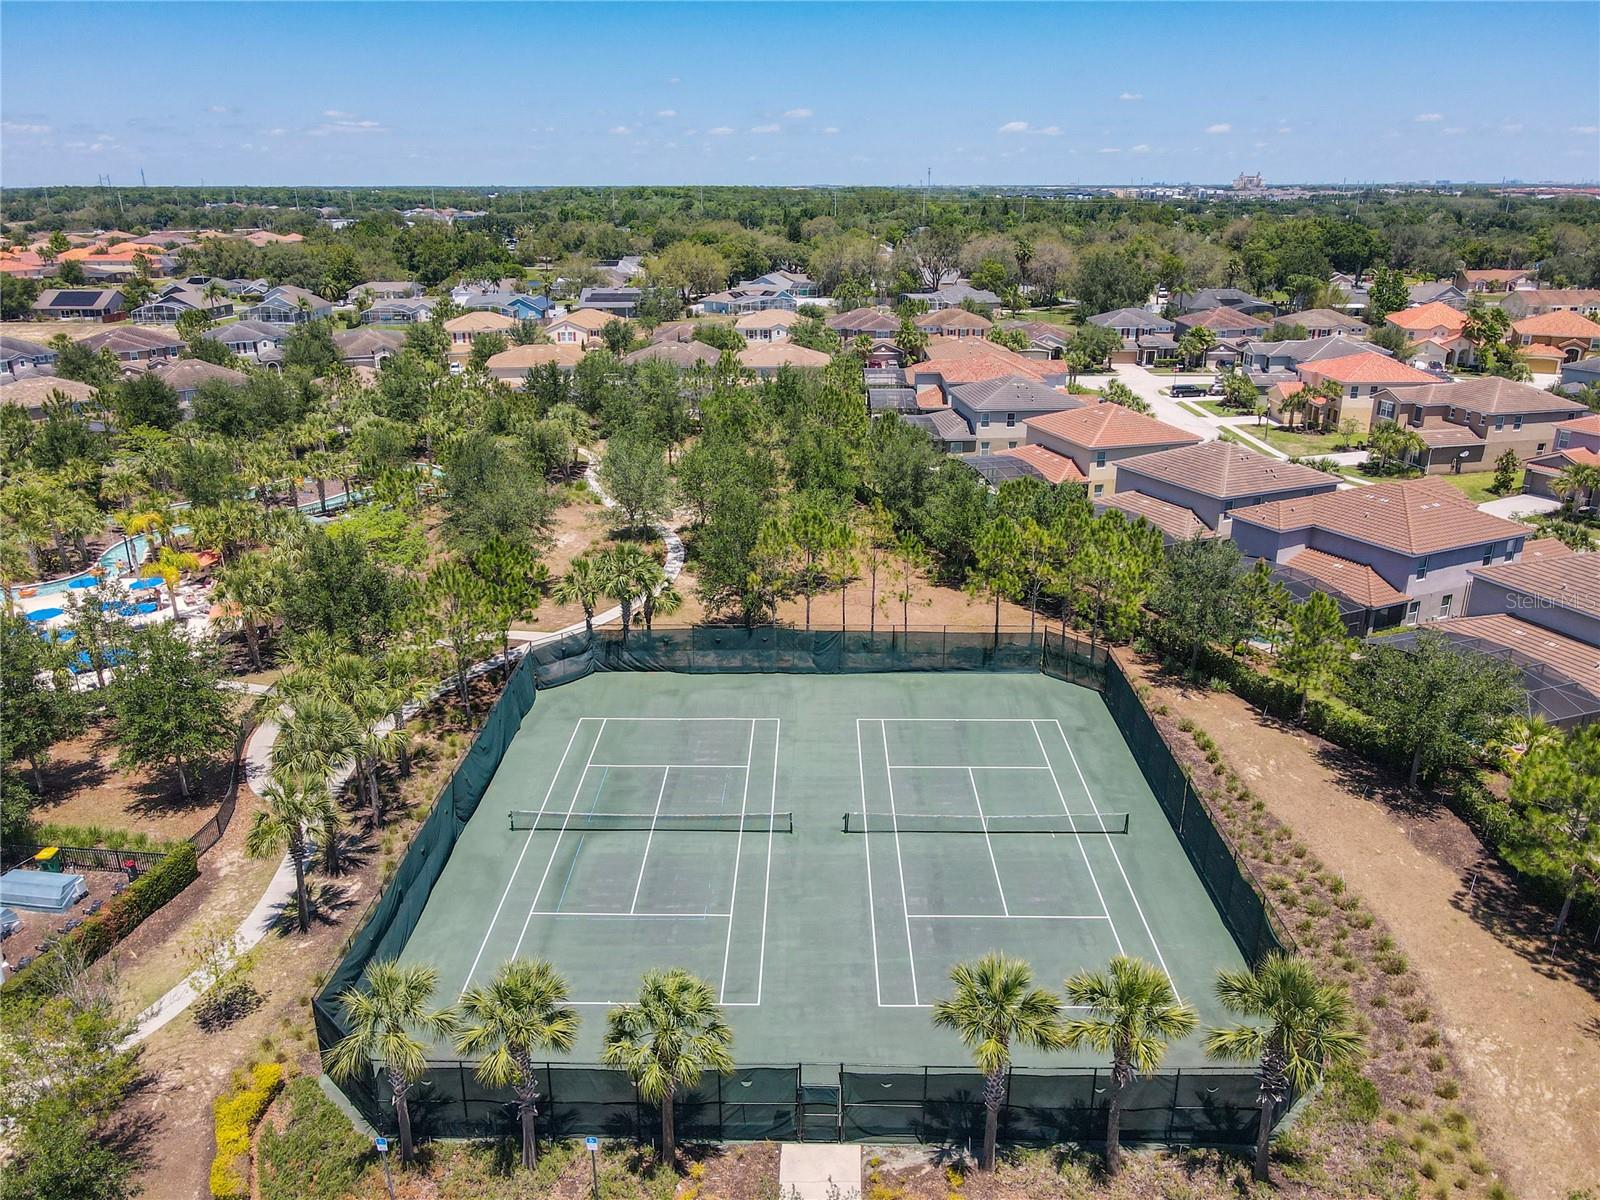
{"type": "Point", "coordinates": [637, 916]}
{"type": "Point", "coordinates": [1139, 908]}
{"type": "Point", "coordinates": [766, 887]}
{"type": "Point", "coordinates": [561, 833]}
{"type": "Point", "coordinates": [905, 904]}
{"type": "Point", "coordinates": [657, 766]}
{"type": "Point", "coordinates": [738, 849]}
{"type": "Point", "coordinates": [1000, 887]}
{"type": "Point", "coordinates": [1009, 917]}
{"type": "Point", "coordinates": [650, 837]}
{"type": "Point", "coordinates": [488, 933]}
{"type": "Point", "coordinates": [956, 767]}
{"type": "Point", "coordinates": [866, 841]}
{"type": "Point", "coordinates": [634, 1000]}
{"type": "Point", "coordinates": [1083, 850]}
{"type": "Point", "coordinates": [959, 720]}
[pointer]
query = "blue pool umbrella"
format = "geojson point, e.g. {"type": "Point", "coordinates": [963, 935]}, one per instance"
{"type": "Point", "coordinates": [138, 585]}
{"type": "Point", "coordinates": [58, 635]}
{"type": "Point", "coordinates": [83, 581]}
{"type": "Point", "coordinates": [145, 609]}
{"type": "Point", "coordinates": [44, 614]}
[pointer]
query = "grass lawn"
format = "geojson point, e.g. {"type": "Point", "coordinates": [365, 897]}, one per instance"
{"type": "Point", "coordinates": [1301, 443]}
{"type": "Point", "coordinates": [1474, 485]}
{"type": "Point", "coordinates": [1064, 317]}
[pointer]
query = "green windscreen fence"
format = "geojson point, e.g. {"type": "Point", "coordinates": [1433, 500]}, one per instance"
{"type": "Point", "coordinates": [914, 1103]}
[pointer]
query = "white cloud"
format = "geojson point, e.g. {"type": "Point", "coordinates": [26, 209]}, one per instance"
{"type": "Point", "coordinates": [798, 114]}
{"type": "Point", "coordinates": [831, 129]}
{"type": "Point", "coordinates": [667, 113]}
{"type": "Point", "coordinates": [23, 127]}
{"type": "Point", "coordinates": [720, 131]}
{"type": "Point", "coordinates": [335, 114]}
{"type": "Point", "coordinates": [1427, 117]}
{"type": "Point", "coordinates": [619, 130]}
{"type": "Point", "coordinates": [1141, 148]}
{"type": "Point", "coordinates": [1285, 129]}
{"type": "Point", "coordinates": [1586, 130]}
{"type": "Point", "coordinates": [674, 81]}
{"type": "Point", "coordinates": [1110, 150]}
{"type": "Point", "coordinates": [763, 129]}
{"type": "Point", "coordinates": [342, 123]}
{"type": "Point", "coordinates": [278, 132]}
{"type": "Point", "coordinates": [1131, 96]}
{"type": "Point", "coordinates": [1024, 127]}
{"type": "Point", "coordinates": [1220, 127]}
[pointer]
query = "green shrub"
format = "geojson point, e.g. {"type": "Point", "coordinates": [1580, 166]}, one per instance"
{"type": "Point", "coordinates": [317, 1156]}
{"type": "Point", "coordinates": [236, 1114]}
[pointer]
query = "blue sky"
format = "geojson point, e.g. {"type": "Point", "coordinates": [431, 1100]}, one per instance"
{"type": "Point", "coordinates": [796, 93]}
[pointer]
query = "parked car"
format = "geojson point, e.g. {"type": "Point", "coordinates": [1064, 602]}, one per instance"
{"type": "Point", "coordinates": [1187, 389]}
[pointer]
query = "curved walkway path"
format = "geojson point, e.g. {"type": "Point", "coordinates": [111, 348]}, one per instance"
{"type": "Point", "coordinates": [268, 911]}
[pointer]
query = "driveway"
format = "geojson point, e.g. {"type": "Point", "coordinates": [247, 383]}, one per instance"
{"type": "Point", "coordinates": [1147, 386]}
{"type": "Point", "coordinates": [1519, 506]}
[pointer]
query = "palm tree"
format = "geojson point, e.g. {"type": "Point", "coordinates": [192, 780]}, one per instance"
{"type": "Point", "coordinates": [169, 567]}
{"type": "Point", "coordinates": [1133, 1015]}
{"type": "Point", "coordinates": [1578, 479]}
{"type": "Point", "coordinates": [317, 735]}
{"type": "Point", "coordinates": [381, 1016]}
{"type": "Point", "coordinates": [994, 1007]}
{"type": "Point", "coordinates": [1298, 1027]}
{"type": "Point", "coordinates": [667, 1041]}
{"type": "Point", "coordinates": [628, 572]}
{"type": "Point", "coordinates": [582, 585]}
{"type": "Point", "coordinates": [661, 603]}
{"type": "Point", "coordinates": [251, 588]}
{"type": "Point", "coordinates": [152, 521]}
{"type": "Point", "coordinates": [284, 824]}
{"type": "Point", "coordinates": [519, 1015]}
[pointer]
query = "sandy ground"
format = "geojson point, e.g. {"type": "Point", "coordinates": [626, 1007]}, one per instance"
{"type": "Point", "coordinates": [1525, 1031]}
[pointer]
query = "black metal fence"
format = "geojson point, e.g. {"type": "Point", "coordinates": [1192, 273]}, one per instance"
{"type": "Point", "coordinates": [923, 1103]}
{"type": "Point", "coordinates": [84, 858]}
{"type": "Point", "coordinates": [209, 834]}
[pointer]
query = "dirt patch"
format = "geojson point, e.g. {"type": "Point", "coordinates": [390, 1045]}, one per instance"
{"type": "Point", "coordinates": [917, 1173]}
{"type": "Point", "coordinates": [1522, 1031]}
{"type": "Point", "coordinates": [29, 939]}
{"type": "Point", "coordinates": [84, 788]}
{"type": "Point", "coordinates": [581, 528]}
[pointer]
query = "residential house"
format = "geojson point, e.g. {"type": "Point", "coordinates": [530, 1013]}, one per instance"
{"type": "Point", "coordinates": [579, 327]}
{"type": "Point", "coordinates": [1228, 324]}
{"type": "Point", "coordinates": [1325, 323]}
{"type": "Point", "coordinates": [32, 394]}
{"type": "Point", "coordinates": [1571, 335]}
{"type": "Point", "coordinates": [120, 262]}
{"type": "Point", "coordinates": [769, 325]}
{"type": "Point", "coordinates": [683, 355]}
{"type": "Point", "coordinates": [1399, 550]}
{"type": "Point", "coordinates": [518, 305]}
{"type": "Point", "coordinates": [288, 305]}
{"type": "Point", "coordinates": [1269, 363]}
{"type": "Point", "coordinates": [1210, 479]}
{"type": "Point", "coordinates": [796, 283]}
{"type": "Point", "coordinates": [469, 327]}
{"type": "Point", "coordinates": [512, 366]}
{"type": "Point", "coordinates": [1437, 328]}
{"type": "Point", "coordinates": [22, 264]}
{"type": "Point", "coordinates": [1222, 297]}
{"type": "Point", "coordinates": [953, 322]}
{"type": "Point", "coordinates": [1099, 437]}
{"type": "Point", "coordinates": [1176, 523]}
{"type": "Point", "coordinates": [954, 361]}
{"type": "Point", "coordinates": [400, 311]}
{"type": "Point", "coordinates": [1489, 282]}
{"type": "Point", "coordinates": [768, 358]}
{"type": "Point", "coordinates": [996, 409]}
{"type": "Point", "coordinates": [1559, 592]}
{"type": "Point", "coordinates": [1575, 376]}
{"type": "Point", "coordinates": [80, 304]}
{"type": "Point", "coordinates": [367, 347]}
{"type": "Point", "coordinates": [1568, 689]}
{"type": "Point", "coordinates": [186, 376]}
{"type": "Point", "coordinates": [1574, 443]}
{"type": "Point", "coordinates": [172, 301]}
{"type": "Point", "coordinates": [954, 295]}
{"type": "Point", "coordinates": [1145, 335]}
{"type": "Point", "coordinates": [18, 356]}
{"type": "Point", "coordinates": [258, 341]}
{"type": "Point", "coordinates": [617, 271]}
{"type": "Point", "coordinates": [747, 298]}
{"type": "Point", "coordinates": [135, 344]}
{"type": "Point", "coordinates": [1360, 378]}
{"type": "Point", "coordinates": [1467, 426]}
{"type": "Point", "coordinates": [1544, 300]}
{"type": "Point", "coordinates": [619, 301]}
{"type": "Point", "coordinates": [1044, 339]}
{"type": "Point", "coordinates": [874, 322]}
{"type": "Point", "coordinates": [947, 429]}
{"type": "Point", "coordinates": [397, 289]}
{"type": "Point", "coordinates": [1441, 291]}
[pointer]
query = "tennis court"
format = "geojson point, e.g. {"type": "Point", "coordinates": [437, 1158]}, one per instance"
{"type": "Point", "coordinates": [822, 849]}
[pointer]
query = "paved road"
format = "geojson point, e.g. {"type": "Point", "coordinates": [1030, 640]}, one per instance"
{"type": "Point", "coordinates": [1147, 385]}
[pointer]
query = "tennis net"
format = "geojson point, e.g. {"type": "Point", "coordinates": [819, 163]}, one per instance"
{"type": "Point", "coordinates": [778, 822]}
{"type": "Point", "coordinates": [899, 822]}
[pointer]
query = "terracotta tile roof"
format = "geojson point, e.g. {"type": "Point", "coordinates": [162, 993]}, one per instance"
{"type": "Point", "coordinates": [1560, 323]}
{"type": "Point", "coordinates": [1555, 461]}
{"type": "Point", "coordinates": [768, 318]}
{"type": "Point", "coordinates": [1440, 436]}
{"type": "Point", "coordinates": [1223, 319]}
{"type": "Point", "coordinates": [1492, 395]}
{"type": "Point", "coordinates": [952, 318]}
{"type": "Point", "coordinates": [1586, 424]}
{"type": "Point", "coordinates": [1353, 580]}
{"type": "Point", "coordinates": [1542, 548]}
{"type": "Point", "coordinates": [515, 363]}
{"type": "Point", "coordinates": [781, 354]}
{"type": "Point", "coordinates": [32, 391]}
{"type": "Point", "coordinates": [1224, 471]}
{"type": "Point", "coordinates": [1494, 276]}
{"type": "Point", "coordinates": [864, 320]}
{"type": "Point", "coordinates": [1178, 523]}
{"type": "Point", "coordinates": [930, 397]}
{"type": "Point", "coordinates": [1109, 426]}
{"type": "Point", "coordinates": [971, 360]}
{"type": "Point", "coordinates": [1542, 350]}
{"type": "Point", "coordinates": [1365, 368]}
{"type": "Point", "coordinates": [1056, 468]}
{"type": "Point", "coordinates": [1429, 316]}
{"type": "Point", "coordinates": [480, 322]}
{"type": "Point", "coordinates": [590, 319]}
{"type": "Point", "coordinates": [1413, 517]}
{"type": "Point", "coordinates": [1576, 660]}
{"type": "Point", "coordinates": [1571, 581]}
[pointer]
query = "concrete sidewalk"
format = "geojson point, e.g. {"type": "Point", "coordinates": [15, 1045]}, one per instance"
{"type": "Point", "coordinates": [819, 1171]}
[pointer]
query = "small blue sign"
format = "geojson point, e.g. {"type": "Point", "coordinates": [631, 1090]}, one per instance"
{"type": "Point", "coordinates": [591, 1144]}
{"type": "Point", "coordinates": [382, 1144]}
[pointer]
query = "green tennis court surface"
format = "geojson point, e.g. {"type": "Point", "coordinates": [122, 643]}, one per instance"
{"type": "Point", "coordinates": [654, 830]}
